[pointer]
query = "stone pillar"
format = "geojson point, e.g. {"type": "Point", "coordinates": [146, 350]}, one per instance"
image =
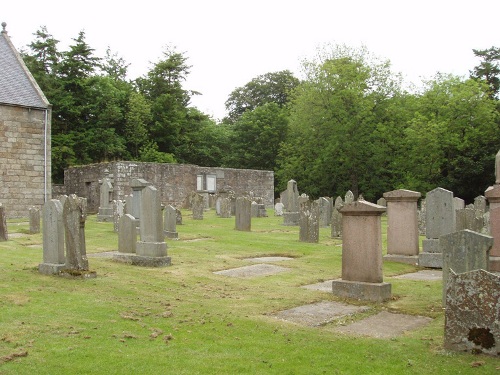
{"type": "Point", "coordinates": [170, 222]}
{"type": "Point", "coordinates": [74, 216]}
{"type": "Point", "coordinates": [127, 234]}
{"type": "Point", "coordinates": [402, 226]}
{"type": "Point", "coordinates": [53, 238]}
{"type": "Point", "coordinates": [34, 213]}
{"type": "Point", "coordinates": [4, 234]}
{"type": "Point", "coordinates": [440, 219]}
{"type": "Point", "coordinates": [243, 215]}
{"type": "Point", "coordinates": [362, 253]}
{"type": "Point", "coordinates": [493, 197]}
{"type": "Point", "coordinates": [309, 221]}
{"type": "Point", "coordinates": [464, 251]}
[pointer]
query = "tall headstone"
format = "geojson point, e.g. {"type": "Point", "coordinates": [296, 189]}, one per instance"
{"type": "Point", "coordinates": [105, 199]}
{"type": "Point", "coordinates": [74, 216]}
{"type": "Point", "coordinates": [170, 222]}
{"type": "Point", "coordinates": [493, 197]}
{"type": "Point", "coordinates": [34, 213]}
{"type": "Point", "coordinates": [118, 212]}
{"type": "Point", "coordinates": [291, 214]}
{"type": "Point", "coordinates": [336, 229]}
{"type": "Point", "coordinates": [440, 220]}
{"type": "Point", "coordinates": [134, 209]}
{"type": "Point", "coordinates": [309, 221]}
{"type": "Point", "coordinates": [464, 251]}
{"type": "Point", "coordinates": [198, 206]}
{"type": "Point", "coordinates": [53, 238]}
{"type": "Point", "coordinates": [4, 234]}
{"type": "Point", "coordinates": [243, 216]}
{"type": "Point", "coordinates": [127, 234]}
{"type": "Point", "coordinates": [362, 276]}
{"type": "Point", "coordinates": [402, 226]}
{"type": "Point", "coordinates": [473, 312]}
{"type": "Point", "coordinates": [325, 211]}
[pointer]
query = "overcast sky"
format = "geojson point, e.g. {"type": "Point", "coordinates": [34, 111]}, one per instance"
{"type": "Point", "coordinates": [230, 42]}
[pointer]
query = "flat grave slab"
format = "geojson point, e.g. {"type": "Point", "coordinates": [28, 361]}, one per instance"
{"type": "Point", "coordinates": [425, 275]}
{"type": "Point", "coordinates": [318, 314]}
{"type": "Point", "coordinates": [104, 254]}
{"type": "Point", "coordinates": [324, 286]}
{"type": "Point", "coordinates": [268, 259]}
{"type": "Point", "coordinates": [385, 325]}
{"type": "Point", "coordinates": [253, 271]}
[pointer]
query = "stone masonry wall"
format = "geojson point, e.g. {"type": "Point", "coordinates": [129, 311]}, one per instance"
{"type": "Point", "coordinates": [22, 159]}
{"type": "Point", "coordinates": [175, 181]}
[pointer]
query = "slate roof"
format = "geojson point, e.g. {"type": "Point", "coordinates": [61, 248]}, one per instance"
{"type": "Point", "coordinates": [17, 85]}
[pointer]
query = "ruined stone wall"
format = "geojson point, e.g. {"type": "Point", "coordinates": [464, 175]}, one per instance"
{"type": "Point", "coordinates": [175, 181]}
{"type": "Point", "coordinates": [22, 159]}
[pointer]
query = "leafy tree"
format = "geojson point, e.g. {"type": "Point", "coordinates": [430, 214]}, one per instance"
{"type": "Point", "coordinates": [267, 88]}
{"type": "Point", "coordinates": [488, 69]}
{"type": "Point", "coordinates": [137, 117]}
{"type": "Point", "coordinates": [150, 153]}
{"type": "Point", "coordinates": [114, 66]}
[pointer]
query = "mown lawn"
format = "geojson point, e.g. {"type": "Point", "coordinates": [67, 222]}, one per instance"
{"type": "Point", "coordinates": [184, 319]}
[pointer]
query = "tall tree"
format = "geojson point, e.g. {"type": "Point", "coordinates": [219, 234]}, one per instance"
{"type": "Point", "coordinates": [489, 68]}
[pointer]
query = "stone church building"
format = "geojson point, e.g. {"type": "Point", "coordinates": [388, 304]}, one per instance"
{"type": "Point", "coordinates": [25, 125]}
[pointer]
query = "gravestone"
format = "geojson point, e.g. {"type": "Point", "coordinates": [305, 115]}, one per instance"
{"type": "Point", "coordinates": [53, 238]}
{"type": "Point", "coordinates": [466, 219]}
{"type": "Point", "coordinates": [198, 206]}
{"type": "Point", "coordinates": [225, 208]}
{"type": "Point", "coordinates": [170, 222]}
{"type": "Point", "coordinates": [473, 312]}
{"type": "Point", "coordinates": [336, 230]}
{"type": "Point", "coordinates": [243, 216]}
{"type": "Point", "coordinates": [362, 276]}
{"type": "Point", "coordinates": [74, 216]}
{"type": "Point", "coordinates": [421, 218]}
{"type": "Point", "coordinates": [349, 197]}
{"type": "Point", "coordinates": [291, 214]}
{"type": "Point", "coordinates": [440, 219]}
{"type": "Point", "coordinates": [480, 205]}
{"type": "Point", "coordinates": [402, 226]}
{"type": "Point", "coordinates": [261, 211]}
{"type": "Point", "coordinates": [105, 199]}
{"type": "Point", "coordinates": [325, 211]}
{"type": "Point", "coordinates": [127, 235]}
{"type": "Point", "coordinates": [464, 251]}
{"type": "Point", "coordinates": [134, 209]}
{"type": "Point", "coordinates": [34, 213]}
{"type": "Point", "coordinates": [4, 234]}
{"type": "Point", "coordinates": [309, 221]}
{"type": "Point", "coordinates": [382, 202]}
{"type": "Point", "coordinates": [254, 208]}
{"type": "Point", "coordinates": [118, 212]}
{"type": "Point", "coordinates": [278, 209]}
{"type": "Point", "coordinates": [217, 205]}
{"type": "Point", "coordinates": [493, 197]}
{"type": "Point", "coordinates": [458, 203]}
{"type": "Point", "coordinates": [178, 216]}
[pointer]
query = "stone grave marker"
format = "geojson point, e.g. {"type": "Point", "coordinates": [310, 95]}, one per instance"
{"type": "Point", "coordinates": [34, 213]}
{"type": "Point", "coordinates": [336, 226]}
{"type": "Point", "coordinates": [349, 197]}
{"type": "Point", "coordinates": [225, 208]}
{"type": "Point", "coordinates": [127, 235]}
{"type": "Point", "coordinates": [170, 222]}
{"type": "Point", "coordinates": [493, 197]}
{"type": "Point", "coordinates": [198, 206]}
{"type": "Point", "coordinates": [134, 209]}
{"type": "Point", "coordinates": [105, 199]}
{"type": "Point", "coordinates": [291, 214]}
{"type": "Point", "coordinates": [382, 202]}
{"type": "Point", "coordinates": [254, 208]}
{"type": "Point", "coordinates": [325, 211]}
{"type": "Point", "coordinates": [309, 221]}
{"type": "Point", "coordinates": [53, 238]}
{"type": "Point", "coordinates": [118, 211]}
{"type": "Point", "coordinates": [466, 219]}
{"type": "Point", "coordinates": [421, 218]}
{"type": "Point", "coordinates": [243, 216]}
{"type": "Point", "coordinates": [278, 209]}
{"type": "Point", "coordinates": [178, 216]}
{"type": "Point", "coordinates": [4, 234]}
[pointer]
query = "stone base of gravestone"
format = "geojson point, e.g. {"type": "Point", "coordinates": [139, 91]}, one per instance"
{"type": "Point", "coordinates": [51, 269]}
{"type": "Point", "coordinates": [143, 261]}
{"type": "Point", "coordinates": [173, 235]}
{"type": "Point", "coordinates": [495, 264]}
{"type": "Point", "coordinates": [375, 292]}
{"type": "Point", "coordinates": [408, 259]}
{"type": "Point", "coordinates": [291, 218]}
{"type": "Point", "coordinates": [105, 214]}
{"type": "Point", "coordinates": [151, 249]}
{"type": "Point", "coordinates": [431, 255]}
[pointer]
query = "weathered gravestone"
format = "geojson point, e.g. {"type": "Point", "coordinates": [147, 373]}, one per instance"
{"type": "Point", "coordinates": [480, 205]}
{"type": "Point", "coordinates": [74, 216]}
{"type": "Point", "coordinates": [198, 206]}
{"type": "Point", "coordinates": [473, 312]}
{"type": "Point", "coordinates": [105, 199]}
{"type": "Point", "coordinates": [118, 211]}
{"type": "Point", "coordinates": [34, 214]}
{"type": "Point", "coordinates": [421, 217]}
{"type": "Point", "coordinates": [134, 208]}
{"type": "Point", "coordinates": [336, 229]}
{"type": "Point", "coordinates": [464, 251]}
{"type": "Point", "coordinates": [362, 276]}
{"type": "Point", "coordinates": [225, 208]}
{"type": "Point", "coordinates": [458, 203]}
{"type": "Point", "coordinates": [382, 202]}
{"type": "Point", "coordinates": [349, 197]}
{"type": "Point", "coordinates": [291, 214]}
{"type": "Point", "coordinates": [170, 222]}
{"type": "Point", "coordinates": [440, 220]}
{"type": "Point", "coordinates": [493, 196]}
{"type": "Point", "coordinates": [309, 221]}
{"type": "Point", "coordinates": [466, 219]}
{"type": "Point", "coordinates": [402, 226]}
{"type": "Point", "coordinates": [325, 211]}
{"type": "Point", "coordinates": [254, 208]}
{"type": "Point", "coordinates": [178, 216]}
{"type": "Point", "coordinates": [278, 209]}
{"type": "Point", "coordinates": [53, 238]}
{"type": "Point", "coordinates": [127, 235]}
{"type": "Point", "coordinates": [4, 234]}
{"type": "Point", "coordinates": [243, 216]}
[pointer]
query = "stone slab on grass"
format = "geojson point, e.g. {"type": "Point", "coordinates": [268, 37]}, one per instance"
{"type": "Point", "coordinates": [253, 271]}
{"type": "Point", "coordinates": [318, 314]}
{"type": "Point", "coordinates": [385, 325]}
{"type": "Point", "coordinates": [104, 254]}
{"type": "Point", "coordinates": [324, 286]}
{"type": "Point", "coordinates": [268, 259]}
{"type": "Point", "coordinates": [425, 275]}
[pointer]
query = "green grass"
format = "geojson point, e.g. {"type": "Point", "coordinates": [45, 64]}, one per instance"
{"type": "Point", "coordinates": [184, 319]}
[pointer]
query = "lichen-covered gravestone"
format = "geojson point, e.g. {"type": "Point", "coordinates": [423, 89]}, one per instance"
{"type": "Point", "coordinates": [198, 206]}
{"type": "Point", "coordinates": [170, 222]}
{"type": "Point", "coordinates": [243, 216]}
{"type": "Point", "coordinates": [309, 221]}
{"type": "Point", "coordinates": [34, 213]}
{"type": "Point", "coordinates": [53, 238]}
{"type": "Point", "coordinates": [291, 201]}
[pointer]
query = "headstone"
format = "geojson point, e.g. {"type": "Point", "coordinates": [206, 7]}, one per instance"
{"type": "Point", "coordinates": [170, 222]}
{"type": "Point", "coordinates": [34, 213]}
{"type": "Point", "coordinates": [309, 221]}
{"type": "Point", "coordinates": [53, 238]}
{"type": "Point", "coordinates": [255, 209]}
{"type": "Point", "coordinates": [198, 206]}
{"type": "Point", "coordinates": [473, 312]}
{"type": "Point", "coordinates": [325, 211]}
{"type": "Point", "coordinates": [402, 226]}
{"type": "Point", "coordinates": [74, 216]}
{"type": "Point", "coordinates": [458, 203]}
{"type": "Point", "coordinates": [382, 202]}
{"type": "Point", "coordinates": [243, 217]}
{"type": "Point", "coordinates": [129, 201]}
{"type": "Point", "coordinates": [4, 234]}
{"type": "Point", "coordinates": [291, 214]}
{"type": "Point", "coordinates": [440, 220]}
{"type": "Point", "coordinates": [336, 229]}
{"type": "Point", "coordinates": [225, 208]}
{"type": "Point", "coordinates": [261, 212]}
{"type": "Point", "coordinates": [466, 219]}
{"type": "Point", "coordinates": [421, 218]}
{"type": "Point", "coordinates": [464, 251]}
{"type": "Point", "coordinates": [105, 199]}
{"type": "Point", "coordinates": [137, 185]}
{"type": "Point", "coordinates": [480, 205]}
{"type": "Point", "coordinates": [278, 209]}
{"type": "Point", "coordinates": [493, 197]}
{"type": "Point", "coordinates": [127, 234]}
{"type": "Point", "coordinates": [217, 206]}
{"type": "Point", "coordinates": [362, 253]}
{"type": "Point", "coordinates": [349, 197]}
{"type": "Point", "coordinates": [118, 212]}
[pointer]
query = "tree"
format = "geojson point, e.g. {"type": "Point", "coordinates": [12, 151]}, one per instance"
{"type": "Point", "coordinates": [114, 66]}
{"type": "Point", "coordinates": [488, 69]}
{"type": "Point", "coordinates": [267, 88]}
{"type": "Point", "coordinates": [137, 117]}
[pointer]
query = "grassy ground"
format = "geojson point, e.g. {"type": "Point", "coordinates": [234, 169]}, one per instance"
{"type": "Point", "coordinates": [184, 319]}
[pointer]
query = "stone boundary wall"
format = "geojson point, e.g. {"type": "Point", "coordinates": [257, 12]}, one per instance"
{"type": "Point", "coordinates": [22, 159]}
{"type": "Point", "coordinates": [175, 181]}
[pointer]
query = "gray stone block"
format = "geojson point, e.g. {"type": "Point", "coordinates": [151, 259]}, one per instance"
{"type": "Point", "coordinates": [375, 292]}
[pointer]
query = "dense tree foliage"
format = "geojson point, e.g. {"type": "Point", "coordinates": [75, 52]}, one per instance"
{"type": "Point", "coordinates": [488, 69]}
